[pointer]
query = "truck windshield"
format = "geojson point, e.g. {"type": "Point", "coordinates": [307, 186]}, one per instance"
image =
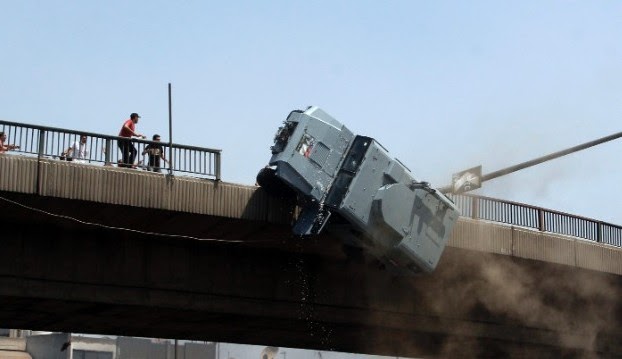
{"type": "Point", "coordinates": [282, 136]}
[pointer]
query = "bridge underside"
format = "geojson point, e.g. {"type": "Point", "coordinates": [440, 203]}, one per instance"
{"type": "Point", "coordinates": [61, 274]}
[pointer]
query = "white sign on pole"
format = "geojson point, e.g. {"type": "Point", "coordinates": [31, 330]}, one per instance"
{"type": "Point", "coordinates": [467, 180]}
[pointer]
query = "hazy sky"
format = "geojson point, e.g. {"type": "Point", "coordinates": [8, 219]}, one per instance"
{"type": "Point", "coordinates": [443, 85]}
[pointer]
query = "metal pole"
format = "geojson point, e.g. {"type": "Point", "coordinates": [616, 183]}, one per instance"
{"type": "Point", "coordinates": [539, 160]}
{"type": "Point", "coordinates": [170, 131]}
{"type": "Point", "coordinates": [108, 152]}
{"type": "Point", "coordinates": [217, 164]}
{"type": "Point", "coordinates": [40, 151]}
{"type": "Point", "coordinates": [549, 157]}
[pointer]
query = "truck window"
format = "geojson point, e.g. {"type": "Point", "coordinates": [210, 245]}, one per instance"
{"type": "Point", "coordinates": [356, 154]}
{"type": "Point", "coordinates": [305, 145]}
{"type": "Point", "coordinates": [348, 170]}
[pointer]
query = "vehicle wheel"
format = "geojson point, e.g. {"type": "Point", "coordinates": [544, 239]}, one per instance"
{"type": "Point", "coordinates": [274, 186]}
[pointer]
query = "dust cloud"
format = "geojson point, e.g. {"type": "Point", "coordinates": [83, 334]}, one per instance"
{"type": "Point", "coordinates": [572, 305]}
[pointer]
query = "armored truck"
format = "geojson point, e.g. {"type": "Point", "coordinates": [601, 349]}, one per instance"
{"type": "Point", "coordinates": [332, 172]}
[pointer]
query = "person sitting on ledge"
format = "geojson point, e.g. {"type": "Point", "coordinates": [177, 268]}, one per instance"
{"type": "Point", "coordinates": [5, 147]}
{"type": "Point", "coordinates": [78, 151]}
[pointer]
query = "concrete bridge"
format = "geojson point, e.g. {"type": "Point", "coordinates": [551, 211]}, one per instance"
{"type": "Point", "coordinates": [98, 249]}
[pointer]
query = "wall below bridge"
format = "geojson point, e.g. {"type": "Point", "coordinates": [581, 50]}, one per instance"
{"type": "Point", "coordinates": [526, 243]}
{"type": "Point", "coordinates": [270, 289]}
{"type": "Point", "coordinates": [82, 251]}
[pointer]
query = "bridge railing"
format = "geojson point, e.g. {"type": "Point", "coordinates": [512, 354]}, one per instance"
{"type": "Point", "coordinates": [51, 142]}
{"type": "Point", "coordinates": [545, 220]}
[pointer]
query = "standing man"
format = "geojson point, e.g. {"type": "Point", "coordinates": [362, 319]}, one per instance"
{"type": "Point", "coordinates": [128, 151]}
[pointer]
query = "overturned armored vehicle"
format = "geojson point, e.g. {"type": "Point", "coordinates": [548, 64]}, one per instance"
{"type": "Point", "coordinates": [403, 222]}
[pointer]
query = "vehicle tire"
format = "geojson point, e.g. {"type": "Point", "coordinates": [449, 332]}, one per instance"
{"type": "Point", "coordinates": [274, 186]}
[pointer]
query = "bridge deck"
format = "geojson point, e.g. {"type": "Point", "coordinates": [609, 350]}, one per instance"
{"type": "Point", "coordinates": [118, 186]}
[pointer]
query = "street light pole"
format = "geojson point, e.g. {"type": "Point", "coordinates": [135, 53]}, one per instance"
{"type": "Point", "coordinates": [536, 161]}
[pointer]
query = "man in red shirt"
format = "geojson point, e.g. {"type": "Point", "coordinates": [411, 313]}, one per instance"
{"type": "Point", "coordinates": [128, 151]}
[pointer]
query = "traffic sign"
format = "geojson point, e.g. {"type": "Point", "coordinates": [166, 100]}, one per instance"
{"type": "Point", "coordinates": [466, 180]}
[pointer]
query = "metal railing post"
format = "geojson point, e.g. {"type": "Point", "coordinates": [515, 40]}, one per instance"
{"type": "Point", "coordinates": [108, 153]}
{"type": "Point", "coordinates": [40, 150]}
{"type": "Point", "coordinates": [541, 224]}
{"type": "Point", "coordinates": [217, 165]}
{"type": "Point", "coordinates": [474, 208]}
{"type": "Point", "coordinates": [41, 143]}
{"type": "Point", "coordinates": [170, 160]}
{"type": "Point", "coordinates": [170, 130]}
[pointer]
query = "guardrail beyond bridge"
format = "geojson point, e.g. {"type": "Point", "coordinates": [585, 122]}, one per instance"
{"type": "Point", "coordinates": [541, 219]}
